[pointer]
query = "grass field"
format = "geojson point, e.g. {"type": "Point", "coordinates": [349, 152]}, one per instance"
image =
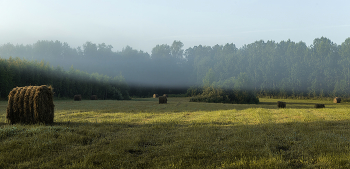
{"type": "Point", "coordinates": [141, 133]}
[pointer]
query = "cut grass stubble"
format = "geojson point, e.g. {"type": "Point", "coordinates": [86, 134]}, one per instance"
{"type": "Point", "coordinates": [180, 134]}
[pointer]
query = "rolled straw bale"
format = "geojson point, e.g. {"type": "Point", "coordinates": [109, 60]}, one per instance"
{"type": "Point", "coordinates": [337, 100]}
{"type": "Point", "coordinates": [155, 96]}
{"type": "Point", "coordinates": [21, 96]}
{"type": "Point", "coordinates": [281, 104]}
{"type": "Point", "coordinates": [77, 97]}
{"type": "Point", "coordinates": [11, 113]}
{"type": "Point", "coordinates": [162, 100]}
{"type": "Point", "coordinates": [43, 105]}
{"type": "Point", "coordinates": [93, 97]}
{"type": "Point", "coordinates": [28, 108]}
{"type": "Point", "coordinates": [16, 104]}
{"type": "Point", "coordinates": [30, 104]}
{"type": "Point", "coordinates": [166, 95]}
{"type": "Point", "coordinates": [319, 106]}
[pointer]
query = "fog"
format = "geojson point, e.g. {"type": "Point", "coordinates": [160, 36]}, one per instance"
{"type": "Point", "coordinates": [144, 24]}
{"type": "Point", "coordinates": [137, 67]}
{"type": "Point", "coordinates": [269, 68]}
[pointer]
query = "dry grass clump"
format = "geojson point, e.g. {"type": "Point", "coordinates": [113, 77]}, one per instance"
{"type": "Point", "coordinates": [93, 97]}
{"type": "Point", "coordinates": [155, 95]}
{"type": "Point", "coordinates": [319, 106]}
{"type": "Point", "coordinates": [77, 97]}
{"type": "Point", "coordinates": [281, 104]}
{"type": "Point", "coordinates": [162, 100]}
{"type": "Point", "coordinates": [30, 104]}
{"type": "Point", "coordinates": [337, 100]}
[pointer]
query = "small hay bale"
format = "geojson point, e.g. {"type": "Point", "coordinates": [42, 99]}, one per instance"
{"type": "Point", "coordinates": [337, 100]}
{"type": "Point", "coordinates": [155, 96]}
{"type": "Point", "coordinates": [77, 97]}
{"type": "Point", "coordinates": [319, 106]}
{"type": "Point", "coordinates": [163, 100]}
{"type": "Point", "coordinates": [30, 105]}
{"type": "Point", "coordinates": [93, 97]}
{"type": "Point", "coordinates": [281, 104]}
{"type": "Point", "coordinates": [166, 95]}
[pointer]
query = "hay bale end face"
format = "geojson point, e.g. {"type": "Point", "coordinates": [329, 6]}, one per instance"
{"type": "Point", "coordinates": [30, 105]}
{"type": "Point", "coordinates": [163, 100]}
{"type": "Point", "coordinates": [320, 106]}
{"type": "Point", "coordinates": [337, 100]}
{"type": "Point", "coordinates": [166, 95]}
{"type": "Point", "coordinates": [281, 104]}
{"type": "Point", "coordinates": [155, 96]}
{"type": "Point", "coordinates": [77, 97]}
{"type": "Point", "coordinates": [93, 97]}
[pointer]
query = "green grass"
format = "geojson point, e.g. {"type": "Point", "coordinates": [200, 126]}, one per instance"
{"type": "Point", "coordinates": [141, 133]}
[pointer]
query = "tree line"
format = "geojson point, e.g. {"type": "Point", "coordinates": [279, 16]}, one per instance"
{"type": "Point", "coordinates": [269, 68]}
{"type": "Point", "coordinates": [19, 72]}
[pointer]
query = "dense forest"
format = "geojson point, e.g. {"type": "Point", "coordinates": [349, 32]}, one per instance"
{"type": "Point", "coordinates": [269, 68]}
{"type": "Point", "coordinates": [66, 84]}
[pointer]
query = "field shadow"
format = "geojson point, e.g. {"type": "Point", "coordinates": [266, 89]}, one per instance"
{"type": "Point", "coordinates": [174, 105]}
{"type": "Point", "coordinates": [296, 144]}
{"type": "Point", "coordinates": [294, 105]}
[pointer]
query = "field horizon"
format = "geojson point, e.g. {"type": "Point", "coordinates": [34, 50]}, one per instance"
{"type": "Point", "coordinates": [140, 133]}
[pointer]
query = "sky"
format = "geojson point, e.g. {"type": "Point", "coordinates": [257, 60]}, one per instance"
{"type": "Point", "coordinates": [143, 24]}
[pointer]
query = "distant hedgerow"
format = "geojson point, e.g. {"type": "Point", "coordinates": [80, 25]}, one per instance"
{"type": "Point", "coordinates": [218, 95]}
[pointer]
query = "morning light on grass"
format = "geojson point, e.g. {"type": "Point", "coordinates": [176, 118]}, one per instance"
{"type": "Point", "coordinates": [141, 133]}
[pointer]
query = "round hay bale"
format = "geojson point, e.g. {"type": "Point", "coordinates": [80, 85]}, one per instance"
{"type": "Point", "coordinates": [319, 106]}
{"type": "Point", "coordinates": [77, 97]}
{"type": "Point", "coordinates": [93, 97]}
{"type": "Point", "coordinates": [163, 100]}
{"type": "Point", "coordinates": [155, 96]}
{"type": "Point", "coordinates": [281, 104]}
{"type": "Point", "coordinates": [30, 104]}
{"type": "Point", "coordinates": [166, 95]}
{"type": "Point", "coordinates": [28, 107]}
{"type": "Point", "coordinates": [337, 100]}
{"type": "Point", "coordinates": [11, 113]}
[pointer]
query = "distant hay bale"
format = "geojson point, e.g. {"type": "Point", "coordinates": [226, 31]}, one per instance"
{"type": "Point", "coordinates": [93, 97]}
{"type": "Point", "coordinates": [163, 100]}
{"type": "Point", "coordinates": [319, 106]}
{"type": "Point", "coordinates": [281, 104]}
{"type": "Point", "coordinates": [155, 96]}
{"type": "Point", "coordinates": [30, 105]}
{"type": "Point", "coordinates": [166, 95]}
{"type": "Point", "coordinates": [337, 100]}
{"type": "Point", "coordinates": [77, 97]}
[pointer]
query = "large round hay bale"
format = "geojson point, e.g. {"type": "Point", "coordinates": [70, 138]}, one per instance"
{"type": "Point", "coordinates": [281, 104]}
{"type": "Point", "coordinates": [93, 97]}
{"type": "Point", "coordinates": [77, 97]}
{"type": "Point", "coordinates": [166, 95]}
{"type": "Point", "coordinates": [163, 100]}
{"type": "Point", "coordinates": [30, 104]}
{"type": "Point", "coordinates": [155, 96]}
{"type": "Point", "coordinates": [320, 106]}
{"type": "Point", "coordinates": [337, 100]}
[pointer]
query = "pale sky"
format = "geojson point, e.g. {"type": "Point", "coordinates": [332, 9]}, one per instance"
{"type": "Point", "coordinates": [142, 24]}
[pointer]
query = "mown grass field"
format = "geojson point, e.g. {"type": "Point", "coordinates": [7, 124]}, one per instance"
{"type": "Point", "coordinates": [141, 133]}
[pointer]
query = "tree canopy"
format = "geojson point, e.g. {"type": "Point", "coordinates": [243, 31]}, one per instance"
{"type": "Point", "coordinates": [268, 68]}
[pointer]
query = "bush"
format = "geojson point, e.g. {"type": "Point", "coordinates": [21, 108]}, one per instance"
{"type": "Point", "coordinates": [210, 95]}
{"type": "Point", "coordinates": [217, 95]}
{"type": "Point", "coordinates": [194, 91]}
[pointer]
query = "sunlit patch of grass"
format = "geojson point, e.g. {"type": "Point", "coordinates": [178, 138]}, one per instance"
{"type": "Point", "coordinates": [181, 134]}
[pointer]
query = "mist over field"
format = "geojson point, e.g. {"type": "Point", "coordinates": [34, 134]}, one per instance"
{"type": "Point", "coordinates": [174, 84]}
{"type": "Point", "coordinates": [271, 48]}
{"type": "Point", "coordinates": [269, 68]}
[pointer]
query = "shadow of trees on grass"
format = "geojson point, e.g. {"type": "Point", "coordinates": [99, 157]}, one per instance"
{"type": "Point", "coordinates": [292, 144]}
